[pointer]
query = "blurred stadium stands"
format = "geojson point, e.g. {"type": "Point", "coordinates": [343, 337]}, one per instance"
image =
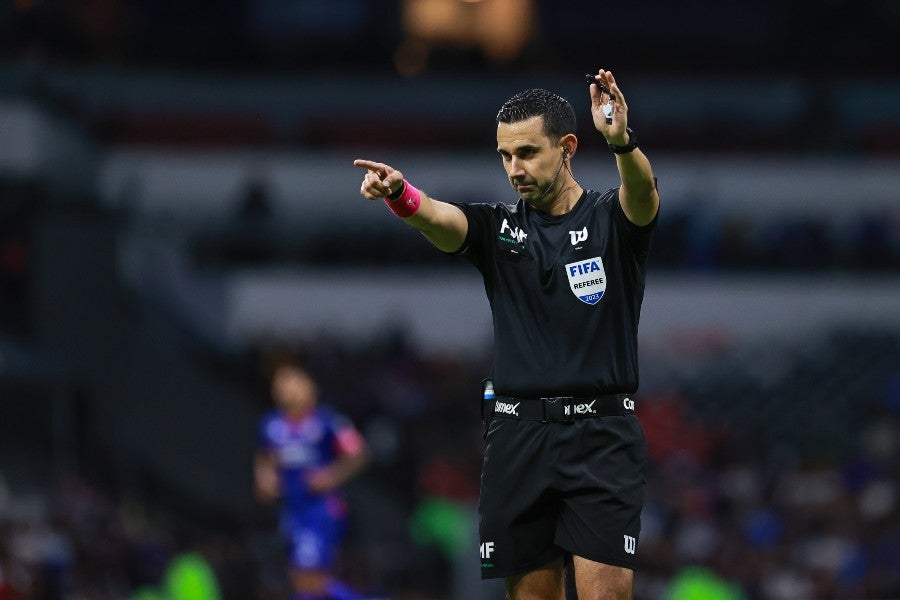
{"type": "Point", "coordinates": [177, 199]}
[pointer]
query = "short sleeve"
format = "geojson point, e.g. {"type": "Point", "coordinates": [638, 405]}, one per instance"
{"type": "Point", "coordinates": [637, 236]}
{"type": "Point", "coordinates": [476, 248]}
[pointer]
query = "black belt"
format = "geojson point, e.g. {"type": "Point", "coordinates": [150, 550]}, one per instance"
{"type": "Point", "coordinates": [560, 409]}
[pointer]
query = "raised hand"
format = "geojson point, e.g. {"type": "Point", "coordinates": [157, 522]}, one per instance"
{"type": "Point", "coordinates": [602, 102]}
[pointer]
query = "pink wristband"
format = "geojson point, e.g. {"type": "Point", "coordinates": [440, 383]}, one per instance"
{"type": "Point", "coordinates": [408, 202]}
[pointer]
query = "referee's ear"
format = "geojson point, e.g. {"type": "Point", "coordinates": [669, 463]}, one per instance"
{"type": "Point", "coordinates": [569, 144]}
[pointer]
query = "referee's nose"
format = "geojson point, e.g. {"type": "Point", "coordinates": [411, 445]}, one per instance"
{"type": "Point", "coordinates": [516, 168]}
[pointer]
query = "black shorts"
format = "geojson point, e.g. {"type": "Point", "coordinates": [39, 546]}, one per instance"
{"type": "Point", "coordinates": [548, 489]}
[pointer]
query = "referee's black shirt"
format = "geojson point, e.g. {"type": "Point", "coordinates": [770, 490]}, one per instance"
{"type": "Point", "coordinates": [565, 293]}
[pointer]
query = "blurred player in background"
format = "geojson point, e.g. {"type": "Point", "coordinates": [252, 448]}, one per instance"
{"type": "Point", "coordinates": [306, 452]}
{"type": "Point", "coordinates": [563, 268]}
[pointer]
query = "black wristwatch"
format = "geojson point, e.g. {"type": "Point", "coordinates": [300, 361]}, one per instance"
{"type": "Point", "coordinates": [629, 147]}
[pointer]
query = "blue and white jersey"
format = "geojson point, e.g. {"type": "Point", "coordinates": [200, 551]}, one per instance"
{"type": "Point", "coordinates": [302, 446]}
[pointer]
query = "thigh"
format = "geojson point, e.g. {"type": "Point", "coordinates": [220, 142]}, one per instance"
{"type": "Point", "coordinates": [313, 536]}
{"type": "Point", "coordinates": [544, 583]}
{"type": "Point", "coordinates": [518, 511]}
{"type": "Point", "coordinates": [308, 548]}
{"type": "Point", "coordinates": [599, 581]}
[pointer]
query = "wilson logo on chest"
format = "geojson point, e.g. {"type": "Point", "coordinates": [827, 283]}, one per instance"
{"type": "Point", "coordinates": [576, 237]}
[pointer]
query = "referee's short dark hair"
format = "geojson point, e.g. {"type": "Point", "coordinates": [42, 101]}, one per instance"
{"type": "Point", "coordinates": [559, 116]}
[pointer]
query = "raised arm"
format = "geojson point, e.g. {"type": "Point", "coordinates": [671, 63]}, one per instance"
{"type": "Point", "coordinates": [443, 224]}
{"type": "Point", "coordinates": [637, 195]}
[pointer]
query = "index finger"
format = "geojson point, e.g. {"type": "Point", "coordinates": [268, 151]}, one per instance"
{"type": "Point", "coordinates": [379, 168]}
{"type": "Point", "coordinates": [596, 92]}
{"type": "Point", "coordinates": [612, 82]}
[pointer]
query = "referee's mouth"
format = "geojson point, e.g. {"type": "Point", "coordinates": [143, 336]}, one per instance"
{"type": "Point", "coordinates": [521, 186]}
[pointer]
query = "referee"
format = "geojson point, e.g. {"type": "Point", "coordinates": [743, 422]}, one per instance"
{"type": "Point", "coordinates": [564, 270]}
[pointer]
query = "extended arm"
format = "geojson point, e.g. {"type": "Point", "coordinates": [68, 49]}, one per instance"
{"type": "Point", "coordinates": [637, 195]}
{"type": "Point", "coordinates": [443, 224]}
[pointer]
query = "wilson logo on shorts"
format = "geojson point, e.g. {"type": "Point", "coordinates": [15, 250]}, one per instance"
{"type": "Point", "coordinates": [587, 279]}
{"type": "Point", "coordinates": [630, 544]}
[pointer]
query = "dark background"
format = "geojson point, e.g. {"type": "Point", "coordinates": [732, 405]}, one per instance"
{"type": "Point", "coordinates": [176, 190]}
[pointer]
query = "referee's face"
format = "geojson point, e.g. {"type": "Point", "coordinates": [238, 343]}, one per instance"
{"type": "Point", "coordinates": [530, 158]}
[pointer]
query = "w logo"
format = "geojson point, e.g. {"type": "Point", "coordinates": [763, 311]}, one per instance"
{"type": "Point", "coordinates": [630, 544]}
{"type": "Point", "coordinates": [578, 236]}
